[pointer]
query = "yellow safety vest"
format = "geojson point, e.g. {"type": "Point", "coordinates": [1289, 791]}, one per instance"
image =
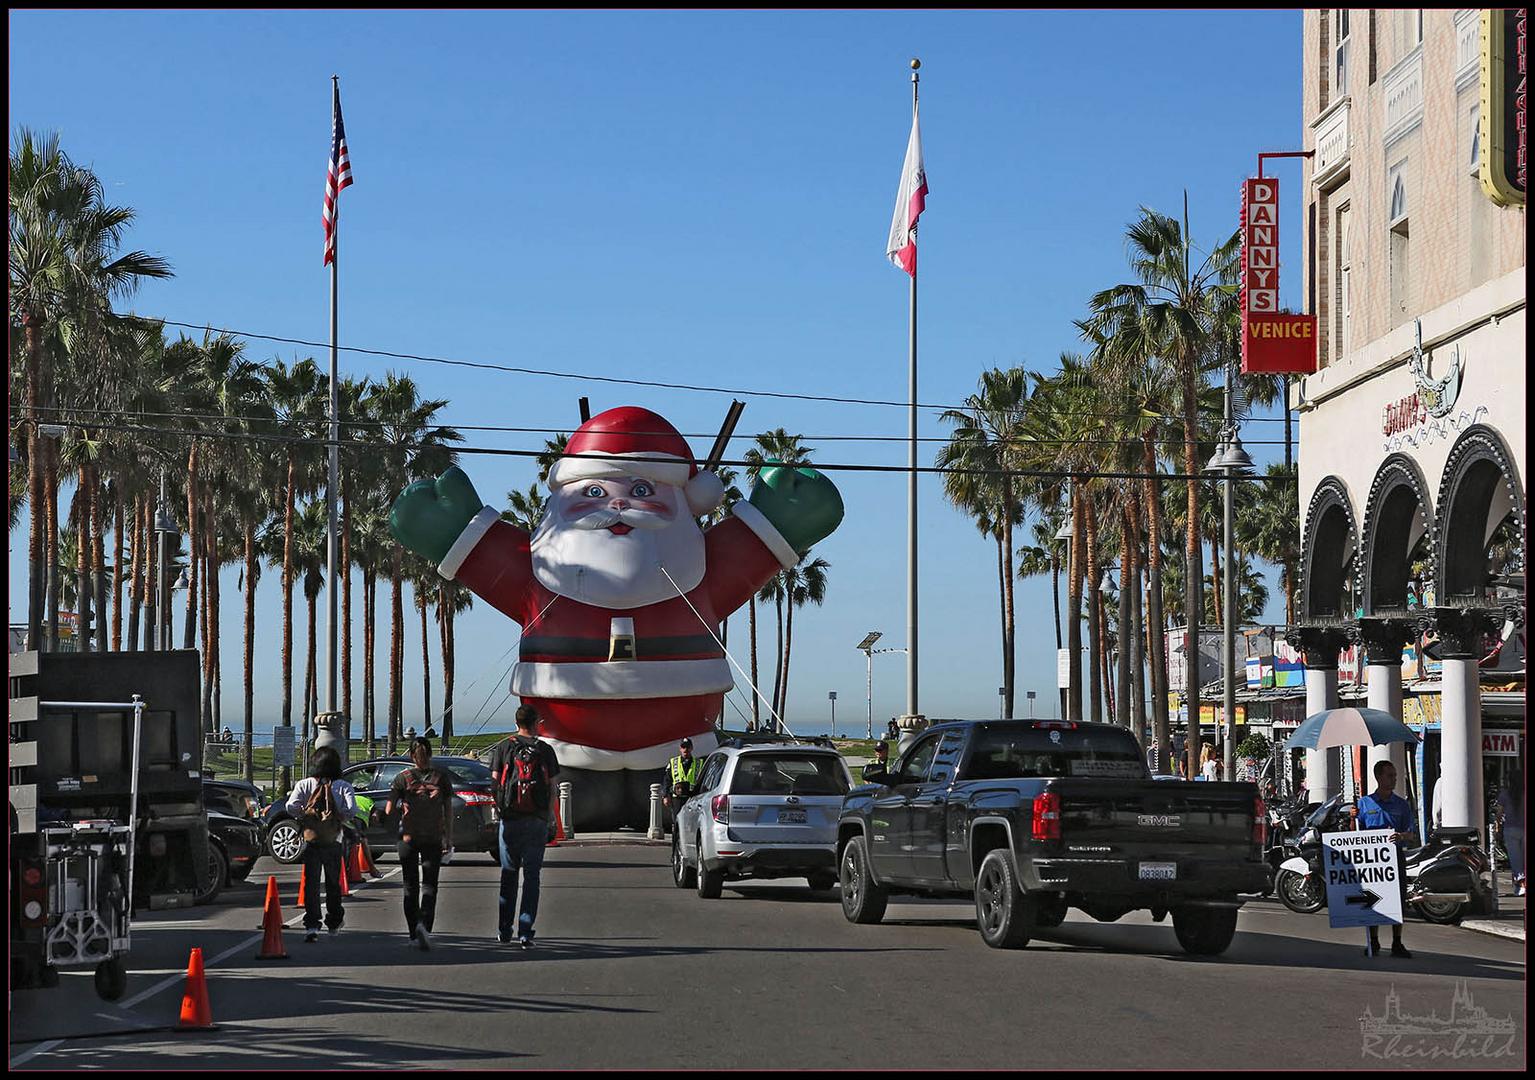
{"type": "Point", "coordinates": [685, 772]}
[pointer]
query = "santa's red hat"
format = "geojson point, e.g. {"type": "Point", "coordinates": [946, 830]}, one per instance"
{"type": "Point", "coordinates": [630, 441]}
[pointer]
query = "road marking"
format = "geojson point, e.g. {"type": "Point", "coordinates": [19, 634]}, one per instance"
{"type": "Point", "coordinates": [40, 1048]}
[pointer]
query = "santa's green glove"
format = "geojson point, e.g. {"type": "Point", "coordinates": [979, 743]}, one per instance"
{"type": "Point", "coordinates": [430, 514]}
{"type": "Point", "coordinates": [802, 504]}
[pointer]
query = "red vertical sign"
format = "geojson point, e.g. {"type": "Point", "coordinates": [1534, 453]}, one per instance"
{"type": "Point", "coordinates": [1271, 342]}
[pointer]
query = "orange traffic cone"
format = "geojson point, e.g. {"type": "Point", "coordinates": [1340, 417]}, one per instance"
{"type": "Point", "coordinates": [195, 1013]}
{"type": "Point", "coordinates": [271, 894]}
{"type": "Point", "coordinates": [365, 858]}
{"type": "Point", "coordinates": [351, 865]}
{"type": "Point", "coordinates": [303, 880]}
{"type": "Point", "coordinates": [346, 890]}
{"type": "Point", "coordinates": [271, 922]}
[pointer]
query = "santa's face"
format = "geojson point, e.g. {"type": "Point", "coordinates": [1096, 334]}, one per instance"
{"type": "Point", "coordinates": [607, 541]}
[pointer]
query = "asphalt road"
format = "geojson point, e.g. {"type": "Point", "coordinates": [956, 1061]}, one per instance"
{"type": "Point", "coordinates": [632, 972]}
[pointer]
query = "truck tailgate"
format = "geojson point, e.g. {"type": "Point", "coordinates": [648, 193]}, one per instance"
{"type": "Point", "coordinates": [1147, 818]}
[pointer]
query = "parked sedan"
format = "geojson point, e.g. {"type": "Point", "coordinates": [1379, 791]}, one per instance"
{"type": "Point", "coordinates": [474, 814]}
{"type": "Point", "coordinates": [234, 845]}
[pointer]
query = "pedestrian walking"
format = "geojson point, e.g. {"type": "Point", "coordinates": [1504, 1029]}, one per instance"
{"type": "Point", "coordinates": [1209, 766]}
{"type": "Point", "coordinates": [1511, 811]}
{"type": "Point", "coordinates": [421, 799]}
{"type": "Point", "coordinates": [523, 769]}
{"type": "Point", "coordinates": [682, 773]}
{"type": "Point", "coordinates": [1384, 809]}
{"type": "Point", "coordinates": [323, 803]}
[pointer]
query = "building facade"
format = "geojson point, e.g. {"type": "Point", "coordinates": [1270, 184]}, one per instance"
{"type": "Point", "coordinates": [1412, 430]}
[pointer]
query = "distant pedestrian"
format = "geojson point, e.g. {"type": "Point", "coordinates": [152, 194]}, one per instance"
{"type": "Point", "coordinates": [682, 775]}
{"type": "Point", "coordinates": [1209, 766]}
{"type": "Point", "coordinates": [878, 770]}
{"type": "Point", "coordinates": [422, 798]}
{"type": "Point", "coordinates": [522, 770]}
{"type": "Point", "coordinates": [1511, 811]}
{"type": "Point", "coordinates": [323, 803]}
{"type": "Point", "coordinates": [893, 732]}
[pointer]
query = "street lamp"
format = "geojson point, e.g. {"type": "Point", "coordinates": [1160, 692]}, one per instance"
{"type": "Point", "coordinates": [866, 646]}
{"type": "Point", "coordinates": [1030, 695]}
{"type": "Point", "coordinates": [832, 697]}
{"type": "Point", "coordinates": [1064, 534]}
{"type": "Point", "coordinates": [1229, 459]}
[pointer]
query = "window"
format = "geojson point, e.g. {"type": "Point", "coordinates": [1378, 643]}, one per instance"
{"type": "Point", "coordinates": [914, 766]}
{"type": "Point", "coordinates": [1340, 50]}
{"type": "Point", "coordinates": [1415, 28]}
{"type": "Point", "coordinates": [1474, 154]}
{"type": "Point", "coordinates": [789, 774]}
{"type": "Point", "coordinates": [1396, 188]}
{"type": "Point", "coordinates": [1342, 284]}
{"type": "Point", "coordinates": [711, 774]}
{"type": "Point", "coordinates": [386, 774]}
{"type": "Point", "coordinates": [947, 759]}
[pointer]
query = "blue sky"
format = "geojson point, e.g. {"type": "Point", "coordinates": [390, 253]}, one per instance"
{"type": "Point", "coordinates": [689, 197]}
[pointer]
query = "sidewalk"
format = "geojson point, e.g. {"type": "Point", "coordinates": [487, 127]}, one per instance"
{"type": "Point", "coordinates": [1509, 922]}
{"type": "Point", "coordinates": [610, 839]}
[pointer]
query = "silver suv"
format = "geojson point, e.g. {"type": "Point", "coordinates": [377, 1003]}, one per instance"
{"type": "Point", "coordinates": [762, 811]}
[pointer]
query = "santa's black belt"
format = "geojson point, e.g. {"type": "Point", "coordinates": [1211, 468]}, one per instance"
{"type": "Point", "coordinates": [582, 648]}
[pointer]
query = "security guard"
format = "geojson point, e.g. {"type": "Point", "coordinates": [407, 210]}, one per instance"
{"type": "Point", "coordinates": [682, 774]}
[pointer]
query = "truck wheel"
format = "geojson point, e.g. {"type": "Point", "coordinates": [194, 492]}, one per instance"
{"type": "Point", "coordinates": [218, 873]}
{"type": "Point", "coordinates": [710, 882]}
{"type": "Point", "coordinates": [863, 900]}
{"type": "Point", "coordinates": [285, 842]}
{"type": "Point", "coordinates": [111, 979]}
{"type": "Point", "coordinates": [1049, 912]}
{"type": "Point", "coordinates": [1005, 916]}
{"type": "Point", "coordinates": [683, 875]}
{"type": "Point", "coordinates": [1205, 931]}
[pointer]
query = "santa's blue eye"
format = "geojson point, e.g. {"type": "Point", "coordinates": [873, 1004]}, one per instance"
{"type": "Point", "coordinates": [594, 491]}
{"type": "Point", "coordinates": [642, 490]}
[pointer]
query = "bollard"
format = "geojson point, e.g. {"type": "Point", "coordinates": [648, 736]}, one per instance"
{"type": "Point", "coordinates": [655, 832]}
{"type": "Point", "coordinates": [565, 815]}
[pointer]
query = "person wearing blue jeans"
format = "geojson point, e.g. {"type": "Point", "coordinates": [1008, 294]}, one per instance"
{"type": "Point", "coordinates": [522, 772]}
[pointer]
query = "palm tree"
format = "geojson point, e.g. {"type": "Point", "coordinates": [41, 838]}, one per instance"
{"type": "Point", "coordinates": [453, 599]}
{"type": "Point", "coordinates": [776, 447]}
{"type": "Point", "coordinates": [65, 270]}
{"type": "Point", "coordinates": [986, 431]}
{"type": "Point", "coordinates": [804, 582]}
{"type": "Point", "coordinates": [350, 397]}
{"type": "Point", "coordinates": [307, 551]}
{"type": "Point", "coordinates": [1175, 310]}
{"type": "Point", "coordinates": [525, 509]}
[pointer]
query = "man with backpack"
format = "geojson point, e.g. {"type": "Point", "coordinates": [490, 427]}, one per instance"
{"type": "Point", "coordinates": [522, 771]}
{"type": "Point", "coordinates": [422, 797]}
{"type": "Point", "coordinates": [323, 803]}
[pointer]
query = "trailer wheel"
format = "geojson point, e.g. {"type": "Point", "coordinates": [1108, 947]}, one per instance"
{"type": "Point", "coordinates": [111, 979]}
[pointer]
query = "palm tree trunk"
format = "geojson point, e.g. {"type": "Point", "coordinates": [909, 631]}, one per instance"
{"type": "Point", "coordinates": [346, 597]}
{"type": "Point", "coordinates": [37, 573]}
{"type": "Point", "coordinates": [117, 571]}
{"type": "Point", "coordinates": [444, 634]}
{"type": "Point", "coordinates": [450, 668]}
{"type": "Point", "coordinates": [1193, 573]}
{"type": "Point", "coordinates": [751, 607]}
{"type": "Point", "coordinates": [1094, 619]}
{"type": "Point", "coordinates": [250, 643]}
{"type": "Point", "coordinates": [205, 606]}
{"type": "Point", "coordinates": [151, 580]}
{"type": "Point", "coordinates": [1074, 613]}
{"type": "Point", "coordinates": [426, 668]}
{"type": "Point", "coordinates": [211, 626]}
{"type": "Point", "coordinates": [1154, 619]}
{"type": "Point", "coordinates": [1008, 657]}
{"type": "Point", "coordinates": [135, 575]}
{"type": "Point", "coordinates": [99, 558]}
{"type": "Point", "coordinates": [194, 551]}
{"type": "Point", "coordinates": [396, 651]}
{"type": "Point", "coordinates": [1055, 595]}
{"type": "Point", "coordinates": [309, 670]}
{"type": "Point", "coordinates": [788, 646]}
{"type": "Point", "coordinates": [1137, 642]}
{"type": "Point", "coordinates": [778, 664]}
{"type": "Point", "coordinates": [1217, 583]}
{"type": "Point", "coordinates": [368, 616]}
{"type": "Point", "coordinates": [52, 511]}
{"type": "Point", "coordinates": [84, 628]}
{"type": "Point", "coordinates": [1002, 598]}
{"type": "Point", "coordinates": [1124, 632]}
{"type": "Point", "coordinates": [287, 593]}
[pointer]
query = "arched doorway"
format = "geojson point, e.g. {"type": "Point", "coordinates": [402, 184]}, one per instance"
{"type": "Point", "coordinates": [1480, 557]}
{"type": "Point", "coordinates": [1397, 539]}
{"type": "Point", "coordinates": [1328, 554]}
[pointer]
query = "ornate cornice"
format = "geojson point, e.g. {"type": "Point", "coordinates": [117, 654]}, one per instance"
{"type": "Point", "coordinates": [1463, 630]}
{"type": "Point", "coordinates": [1383, 639]}
{"type": "Point", "coordinates": [1319, 645]}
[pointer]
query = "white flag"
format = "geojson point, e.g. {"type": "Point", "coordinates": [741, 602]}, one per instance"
{"type": "Point", "coordinates": [909, 201]}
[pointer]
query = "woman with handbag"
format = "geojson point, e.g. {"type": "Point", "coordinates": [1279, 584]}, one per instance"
{"type": "Point", "coordinates": [323, 803]}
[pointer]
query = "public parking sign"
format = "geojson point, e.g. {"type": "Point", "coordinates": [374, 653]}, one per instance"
{"type": "Point", "coordinates": [282, 745]}
{"type": "Point", "coordinates": [1363, 875]}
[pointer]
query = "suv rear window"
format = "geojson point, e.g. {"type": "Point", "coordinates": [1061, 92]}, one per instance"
{"type": "Point", "coordinates": [789, 774]}
{"type": "Point", "coordinates": [1015, 753]}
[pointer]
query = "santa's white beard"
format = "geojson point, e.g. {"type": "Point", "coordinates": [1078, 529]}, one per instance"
{"type": "Point", "coordinates": [598, 567]}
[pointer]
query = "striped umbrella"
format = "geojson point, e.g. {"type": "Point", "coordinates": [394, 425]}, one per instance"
{"type": "Point", "coordinates": [1349, 727]}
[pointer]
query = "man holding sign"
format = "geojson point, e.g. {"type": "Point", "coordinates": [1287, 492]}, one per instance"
{"type": "Point", "coordinates": [1384, 809]}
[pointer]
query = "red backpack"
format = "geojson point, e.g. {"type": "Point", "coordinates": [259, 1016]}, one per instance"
{"type": "Point", "coordinates": [524, 781]}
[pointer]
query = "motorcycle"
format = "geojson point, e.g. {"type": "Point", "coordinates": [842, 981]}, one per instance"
{"type": "Point", "coordinates": [1286, 817]}
{"type": "Point", "coordinates": [1444, 876]}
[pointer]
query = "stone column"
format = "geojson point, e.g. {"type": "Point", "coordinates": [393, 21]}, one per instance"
{"type": "Point", "coordinates": [1382, 640]}
{"type": "Point", "coordinates": [1319, 646]}
{"type": "Point", "coordinates": [1462, 636]}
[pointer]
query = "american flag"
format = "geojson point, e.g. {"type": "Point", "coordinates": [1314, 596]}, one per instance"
{"type": "Point", "coordinates": [338, 175]}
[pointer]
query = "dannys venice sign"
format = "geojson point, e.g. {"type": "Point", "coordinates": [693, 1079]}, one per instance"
{"type": "Point", "coordinates": [1272, 342]}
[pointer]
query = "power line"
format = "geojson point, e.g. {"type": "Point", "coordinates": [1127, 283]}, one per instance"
{"type": "Point", "coordinates": [249, 419]}
{"type": "Point", "coordinates": [656, 384]}
{"type": "Point", "coordinates": [494, 451]}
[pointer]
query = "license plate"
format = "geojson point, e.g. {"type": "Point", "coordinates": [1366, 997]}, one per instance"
{"type": "Point", "coordinates": [1159, 871]}
{"type": "Point", "coordinates": [791, 817]}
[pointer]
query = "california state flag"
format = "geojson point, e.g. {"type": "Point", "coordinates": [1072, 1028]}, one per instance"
{"type": "Point", "coordinates": [902, 248]}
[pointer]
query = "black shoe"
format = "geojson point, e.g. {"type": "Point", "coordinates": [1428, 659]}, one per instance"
{"type": "Point", "coordinates": [504, 938]}
{"type": "Point", "coordinates": [311, 937]}
{"type": "Point", "coordinates": [525, 940]}
{"type": "Point", "coordinates": [1399, 951]}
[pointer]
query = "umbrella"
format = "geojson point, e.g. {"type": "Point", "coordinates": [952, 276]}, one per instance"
{"type": "Point", "coordinates": [1349, 727]}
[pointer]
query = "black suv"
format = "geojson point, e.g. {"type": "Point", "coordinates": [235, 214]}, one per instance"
{"type": "Point", "coordinates": [235, 833]}
{"type": "Point", "coordinates": [475, 821]}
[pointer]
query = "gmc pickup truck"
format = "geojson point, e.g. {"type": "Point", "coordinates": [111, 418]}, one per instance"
{"type": "Point", "coordinates": [1033, 818]}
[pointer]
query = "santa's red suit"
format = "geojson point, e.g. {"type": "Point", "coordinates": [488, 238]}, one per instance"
{"type": "Point", "coordinates": [618, 687]}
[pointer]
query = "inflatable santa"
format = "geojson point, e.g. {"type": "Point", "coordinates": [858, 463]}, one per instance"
{"type": "Point", "coordinates": [620, 593]}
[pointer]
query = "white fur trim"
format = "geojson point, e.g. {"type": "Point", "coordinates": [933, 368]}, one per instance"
{"type": "Point", "coordinates": [704, 492]}
{"type": "Point", "coordinates": [478, 526]}
{"type": "Point", "coordinates": [662, 468]}
{"type": "Point", "coordinates": [622, 678]}
{"type": "Point", "coordinates": [578, 756]}
{"type": "Point", "coordinates": [758, 523]}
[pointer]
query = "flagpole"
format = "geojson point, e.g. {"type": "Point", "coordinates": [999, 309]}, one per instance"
{"type": "Point", "coordinates": [911, 483]}
{"type": "Point", "coordinates": [342, 738]}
